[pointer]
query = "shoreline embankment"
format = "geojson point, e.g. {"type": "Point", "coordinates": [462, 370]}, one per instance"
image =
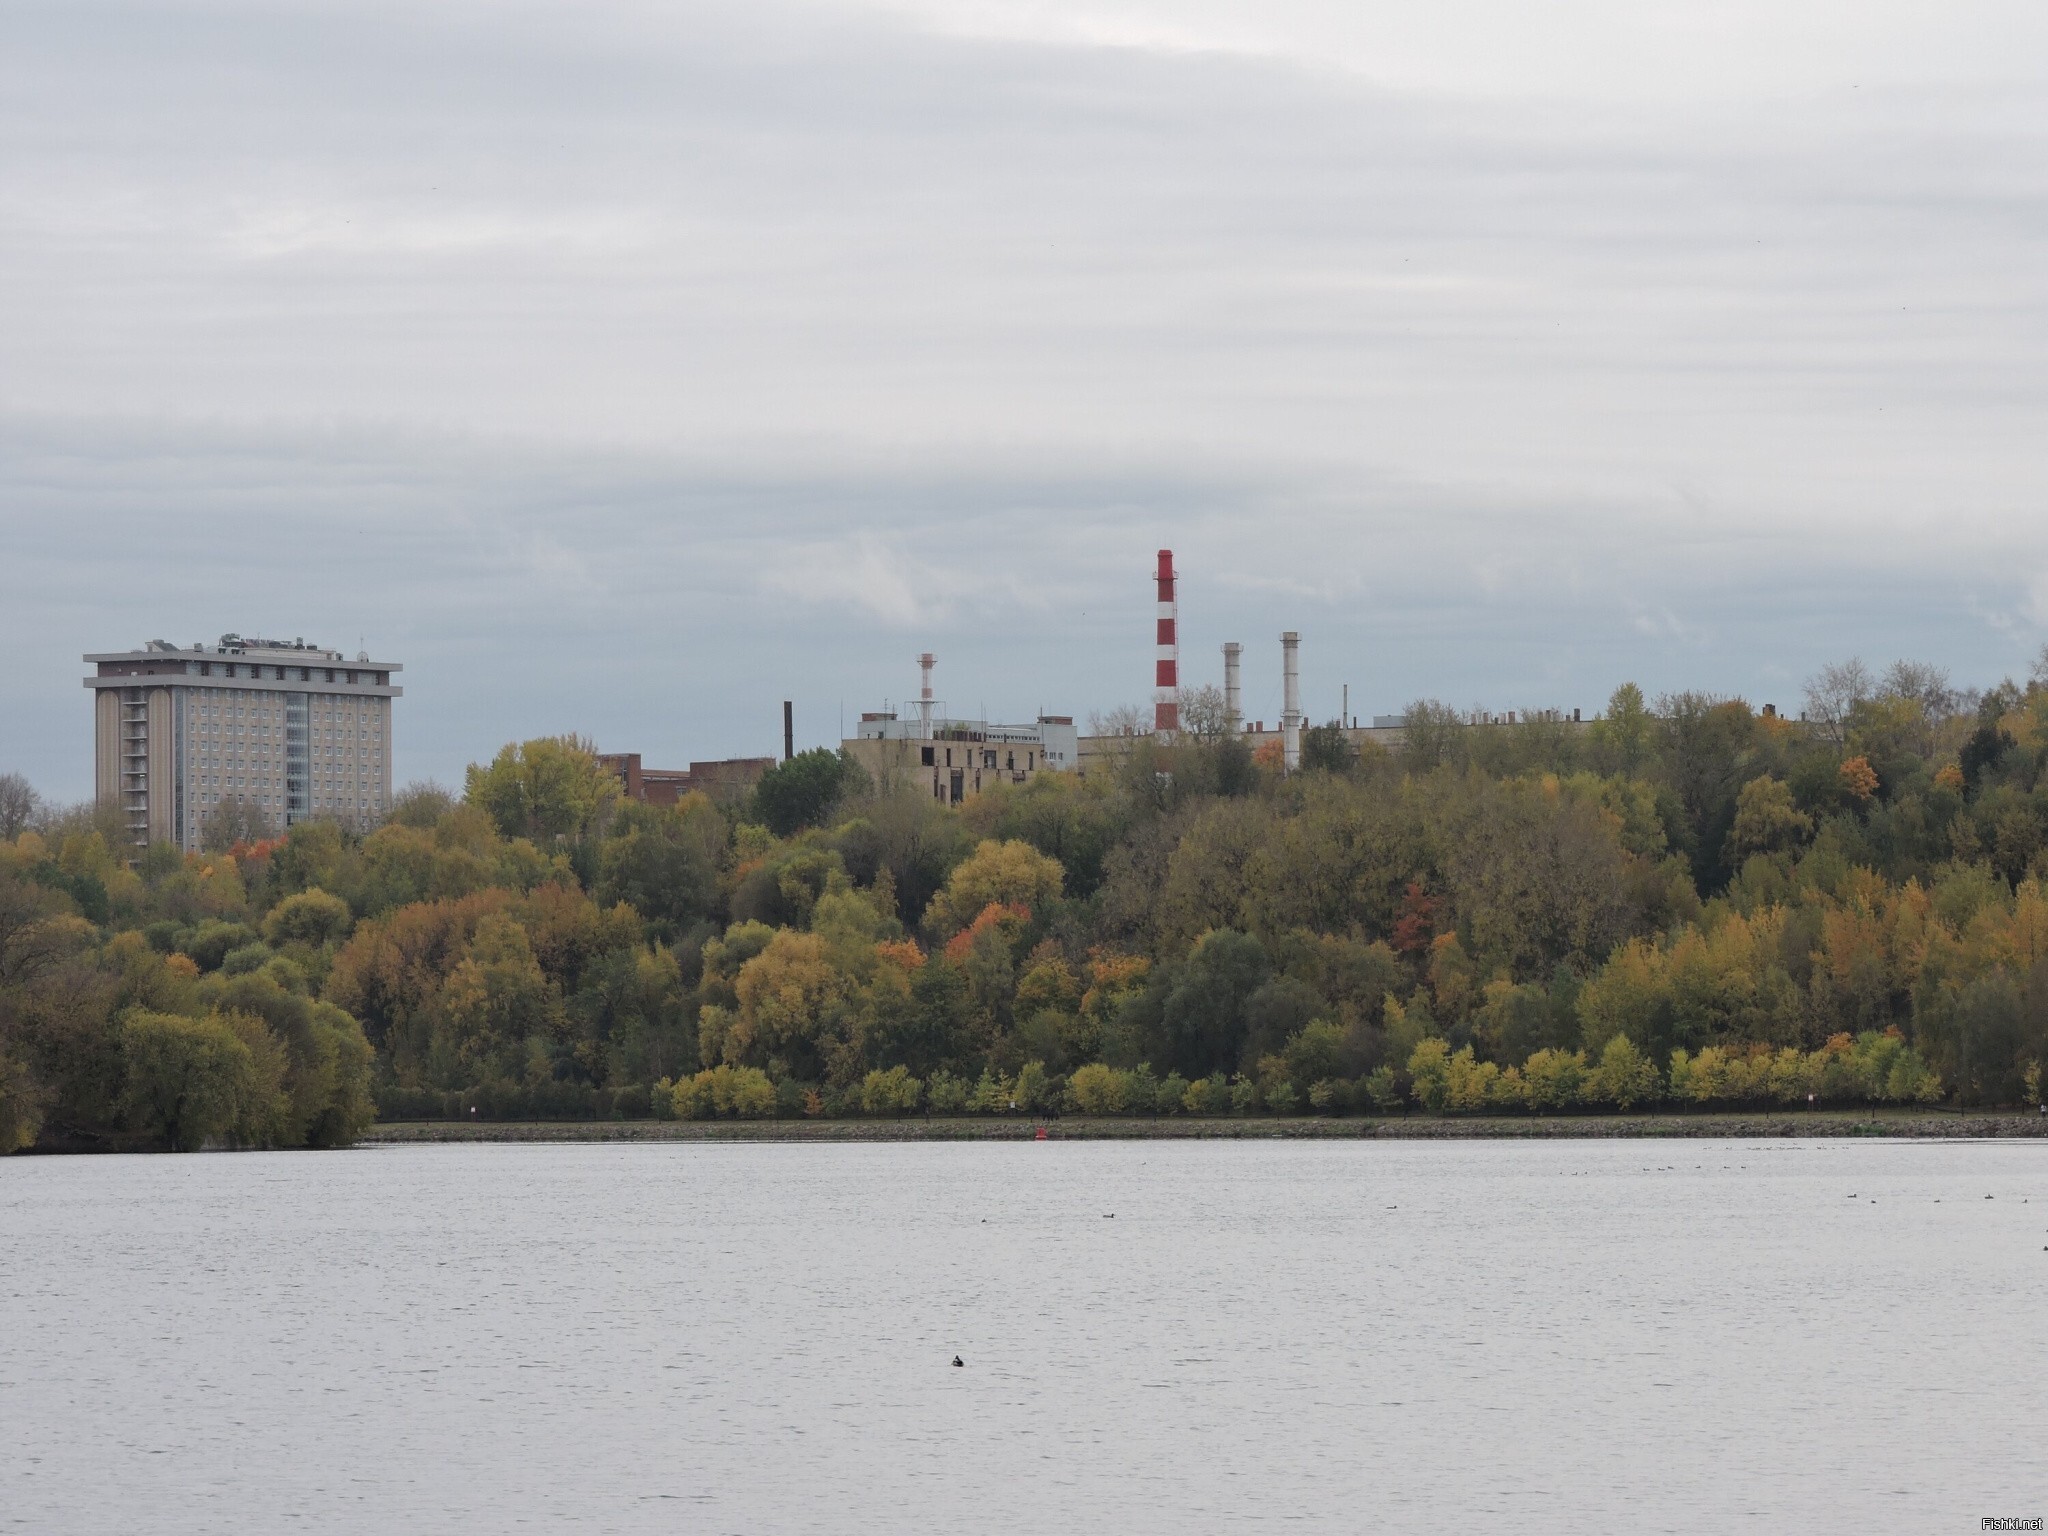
{"type": "Point", "coordinates": [1929, 1124]}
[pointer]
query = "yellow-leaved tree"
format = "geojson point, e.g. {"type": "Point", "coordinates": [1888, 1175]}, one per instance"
{"type": "Point", "coordinates": [1009, 873]}
{"type": "Point", "coordinates": [552, 786]}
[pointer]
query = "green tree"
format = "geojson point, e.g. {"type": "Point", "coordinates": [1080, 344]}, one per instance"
{"type": "Point", "coordinates": [1069, 819]}
{"type": "Point", "coordinates": [1766, 819]}
{"type": "Point", "coordinates": [420, 804]}
{"type": "Point", "coordinates": [1625, 734]}
{"type": "Point", "coordinates": [945, 1094]}
{"type": "Point", "coordinates": [663, 862]}
{"type": "Point", "coordinates": [1098, 1090]}
{"type": "Point", "coordinates": [494, 1001]}
{"type": "Point", "coordinates": [894, 1092]}
{"type": "Point", "coordinates": [1384, 1089]}
{"type": "Point", "coordinates": [187, 1081]}
{"type": "Point", "coordinates": [1327, 749]}
{"type": "Point", "coordinates": [22, 1102]}
{"type": "Point", "coordinates": [1432, 736]}
{"type": "Point", "coordinates": [548, 788]}
{"type": "Point", "coordinates": [1034, 1088]}
{"type": "Point", "coordinates": [724, 1093]}
{"type": "Point", "coordinates": [930, 1028]}
{"type": "Point", "coordinates": [311, 917]}
{"type": "Point", "coordinates": [1980, 1036]}
{"type": "Point", "coordinates": [804, 791]}
{"type": "Point", "coordinates": [1625, 1077]}
{"type": "Point", "coordinates": [1205, 1009]}
{"type": "Point", "coordinates": [325, 1061]}
{"type": "Point", "coordinates": [1429, 1069]}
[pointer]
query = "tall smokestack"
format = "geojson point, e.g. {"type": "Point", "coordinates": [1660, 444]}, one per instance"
{"type": "Point", "coordinates": [788, 730]}
{"type": "Point", "coordinates": [1290, 701]}
{"type": "Point", "coordinates": [924, 697]}
{"type": "Point", "coordinates": [1166, 678]}
{"type": "Point", "coordinates": [1232, 694]}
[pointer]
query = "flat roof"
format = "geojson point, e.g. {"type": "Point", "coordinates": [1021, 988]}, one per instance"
{"type": "Point", "coordinates": [267, 656]}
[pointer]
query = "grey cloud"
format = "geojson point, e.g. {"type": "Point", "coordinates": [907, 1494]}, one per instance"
{"type": "Point", "coordinates": [632, 373]}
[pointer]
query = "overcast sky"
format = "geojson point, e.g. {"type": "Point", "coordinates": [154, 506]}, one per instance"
{"type": "Point", "coordinates": [627, 368]}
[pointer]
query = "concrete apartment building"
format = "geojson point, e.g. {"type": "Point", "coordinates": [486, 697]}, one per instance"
{"type": "Point", "coordinates": [295, 730]}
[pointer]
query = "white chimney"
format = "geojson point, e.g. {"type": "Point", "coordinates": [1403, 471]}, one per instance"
{"type": "Point", "coordinates": [1290, 714]}
{"type": "Point", "coordinates": [924, 697]}
{"type": "Point", "coordinates": [1231, 692]}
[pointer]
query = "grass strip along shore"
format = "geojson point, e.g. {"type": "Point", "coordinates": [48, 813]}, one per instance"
{"type": "Point", "coordinates": [1304, 1128]}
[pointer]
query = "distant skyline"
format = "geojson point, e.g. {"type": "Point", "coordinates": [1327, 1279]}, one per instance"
{"type": "Point", "coordinates": [628, 369]}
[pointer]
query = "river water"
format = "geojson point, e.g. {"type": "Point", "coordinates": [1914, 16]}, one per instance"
{"type": "Point", "coordinates": [1177, 1337]}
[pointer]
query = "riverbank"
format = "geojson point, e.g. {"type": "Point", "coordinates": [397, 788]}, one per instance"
{"type": "Point", "coordinates": [1973, 1127]}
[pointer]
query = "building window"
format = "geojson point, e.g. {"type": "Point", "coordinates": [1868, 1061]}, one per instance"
{"type": "Point", "coordinates": [927, 757]}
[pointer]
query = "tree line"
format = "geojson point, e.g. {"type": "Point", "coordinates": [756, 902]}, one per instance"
{"type": "Point", "coordinates": [1684, 902]}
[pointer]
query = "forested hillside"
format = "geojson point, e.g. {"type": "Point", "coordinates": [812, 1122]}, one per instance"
{"type": "Point", "coordinates": [1690, 903]}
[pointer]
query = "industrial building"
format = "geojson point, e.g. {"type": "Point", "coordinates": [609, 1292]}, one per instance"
{"type": "Point", "coordinates": [1385, 732]}
{"type": "Point", "coordinates": [290, 728]}
{"type": "Point", "coordinates": [952, 759]}
{"type": "Point", "coordinates": [723, 779]}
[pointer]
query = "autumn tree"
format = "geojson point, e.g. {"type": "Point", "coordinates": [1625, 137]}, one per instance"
{"type": "Point", "coordinates": [1835, 690]}
{"type": "Point", "coordinates": [1432, 736]}
{"type": "Point", "coordinates": [18, 806]}
{"type": "Point", "coordinates": [1766, 820]}
{"type": "Point", "coordinates": [548, 788]}
{"type": "Point", "coordinates": [1010, 873]}
{"type": "Point", "coordinates": [234, 820]}
{"type": "Point", "coordinates": [311, 917]}
{"type": "Point", "coordinates": [420, 803]}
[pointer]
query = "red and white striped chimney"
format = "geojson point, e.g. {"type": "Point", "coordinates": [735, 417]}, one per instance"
{"type": "Point", "coordinates": [1166, 690]}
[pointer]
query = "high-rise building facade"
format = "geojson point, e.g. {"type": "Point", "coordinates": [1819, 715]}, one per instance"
{"type": "Point", "coordinates": [293, 730]}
